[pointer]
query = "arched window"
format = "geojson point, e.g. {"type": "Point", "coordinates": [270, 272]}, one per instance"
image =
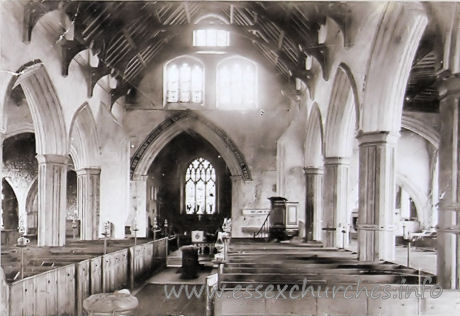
{"type": "Point", "coordinates": [236, 84]}
{"type": "Point", "coordinates": [200, 187]}
{"type": "Point", "coordinates": [184, 81]}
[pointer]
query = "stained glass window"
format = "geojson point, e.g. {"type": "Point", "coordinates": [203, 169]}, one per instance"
{"type": "Point", "coordinates": [184, 82]}
{"type": "Point", "coordinates": [236, 84]}
{"type": "Point", "coordinates": [200, 187]}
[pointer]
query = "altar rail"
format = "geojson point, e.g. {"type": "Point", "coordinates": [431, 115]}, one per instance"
{"type": "Point", "coordinates": [61, 291]}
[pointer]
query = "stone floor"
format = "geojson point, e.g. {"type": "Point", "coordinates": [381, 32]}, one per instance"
{"type": "Point", "coordinates": [422, 259]}
{"type": "Point", "coordinates": [153, 299]}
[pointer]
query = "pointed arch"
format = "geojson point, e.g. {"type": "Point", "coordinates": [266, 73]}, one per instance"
{"type": "Point", "coordinates": [422, 129]}
{"type": "Point", "coordinates": [421, 201]}
{"type": "Point", "coordinates": [84, 143]}
{"type": "Point", "coordinates": [45, 108]}
{"type": "Point", "coordinates": [178, 123]}
{"type": "Point", "coordinates": [342, 117]}
{"type": "Point", "coordinates": [314, 145]}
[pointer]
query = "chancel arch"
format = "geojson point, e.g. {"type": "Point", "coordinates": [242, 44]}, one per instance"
{"type": "Point", "coordinates": [192, 185]}
{"type": "Point", "coordinates": [184, 121]}
{"type": "Point", "coordinates": [176, 124]}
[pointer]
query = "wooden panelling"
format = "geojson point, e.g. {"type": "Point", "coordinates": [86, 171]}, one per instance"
{"type": "Point", "coordinates": [66, 290]}
{"type": "Point", "coordinates": [61, 291]}
{"type": "Point", "coordinates": [83, 283]}
{"type": "Point", "coordinates": [96, 275]}
{"type": "Point", "coordinates": [115, 270]}
{"type": "Point", "coordinates": [49, 293]}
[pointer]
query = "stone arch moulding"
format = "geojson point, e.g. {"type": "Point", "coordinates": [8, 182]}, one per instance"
{"type": "Point", "coordinates": [31, 195]}
{"type": "Point", "coordinates": [314, 144]}
{"type": "Point", "coordinates": [178, 123]}
{"type": "Point", "coordinates": [16, 129]}
{"type": "Point", "coordinates": [420, 200]}
{"type": "Point", "coordinates": [45, 108]}
{"type": "Point", "coordinates": [420, 128]}
{"type": "Point", "coordinates": [84, 143]}
{"type": "Point", "coordinates": [354, 88]}
{"type": "Point", "coordinates": [342, 112]}
{"type": "Point", "coordinates": [393, 50]}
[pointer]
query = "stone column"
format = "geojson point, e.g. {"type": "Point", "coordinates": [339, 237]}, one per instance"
{"type": "Point", "coordinates": [449, 185]}
{"type": "Point", "coordinates": [313, 203]}
{"type": "Point", "coordinates": [335, 210]}
{"type": "Point", "coordinates": [2, 137]}
{"type": "Point", "coordinates": [88, 197]}
{"type": "Point", "coordinates": [376, 227]}
{"type": "Point", "coordinates": [52, 187]}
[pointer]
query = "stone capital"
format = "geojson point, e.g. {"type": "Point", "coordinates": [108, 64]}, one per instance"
{"type": "Point", "coordinates": [138, 177]}
{"type": "Point", "coordinates": [313, 170]}
{"type": "Point", "coordinates": [379, 137]}
{"type": "Point", "coordinates": [335, 161]}
{"type": "Point", "coordinates": [52, 159]}
{"type": "Point", "coordinates": [88, 171]}
{"type": "Point", "coordinates": [448, 206]}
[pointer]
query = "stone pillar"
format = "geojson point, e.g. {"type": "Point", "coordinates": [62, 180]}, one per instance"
{"type": "Point", "coordinates": [335, 210]}
{"type": "Point", "coordinates": [313, 203]}
{"type": "Point", "coordinates": [88, 195]}
{"type": "Point", "coordinates": [2, 137]}
{"type": "Point", "coordinates": [449, 185]}
{"type": "Point", "coordinates": [52, 187]}
{"type": "Point", "coordinates": [376, 236]}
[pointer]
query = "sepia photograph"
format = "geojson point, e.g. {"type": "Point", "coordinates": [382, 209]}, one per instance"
{"type": "Point", "coordinates": [229, 158]}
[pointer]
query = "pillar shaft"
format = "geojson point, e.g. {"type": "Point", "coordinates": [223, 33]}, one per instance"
{"type": "Point", "coordinates": [313, 203]}
{"type": "Point", "coordinates": [376, 196]}
{"type": "Point", "coordinates": [88, 197]}
{"type": "Point", "coordinates": [2, 137]}
{"type": "Point", "coordinates": [335, 212]}
{"type": "Point", "coordinates": [448, 247]}
{"type": "Point", "coordinates": [52, 181]}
